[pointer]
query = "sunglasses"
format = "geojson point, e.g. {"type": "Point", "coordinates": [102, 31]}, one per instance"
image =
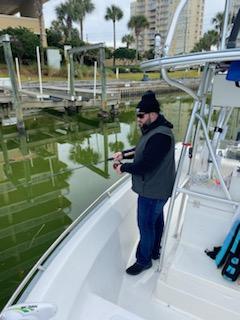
{"type": "Point", "coordinates": [140, 115]}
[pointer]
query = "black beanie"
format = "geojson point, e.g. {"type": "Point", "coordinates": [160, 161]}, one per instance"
{"type": "Point", "coordinates": [148, 103]}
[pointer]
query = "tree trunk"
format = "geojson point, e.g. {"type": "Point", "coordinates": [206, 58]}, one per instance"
{"type": "Point", "coordinates": [41, 39]}
{"type": "Point", "coordinates": [81, 38]}
{"type": "Point", "coordinates": [114, 42]}
{"type": "Point", "coordinates": [69, 26]}
{"type": "Point", "coordinates": [39, 12]}
{"type": "Point", "coordinates": [137, 44]}
{"type": "Point", "coordinates": [81, 29]}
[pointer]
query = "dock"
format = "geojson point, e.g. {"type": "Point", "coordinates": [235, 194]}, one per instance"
{"type": "Point", "coordinates": [55, 95]}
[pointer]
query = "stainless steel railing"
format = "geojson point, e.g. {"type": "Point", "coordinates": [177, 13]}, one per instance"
{"type": "Point", "coordinates": [191, 59]}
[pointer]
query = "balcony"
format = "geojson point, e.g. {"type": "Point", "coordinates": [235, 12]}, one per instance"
{"type": "Point", "coordinates": [151, 35]}
{"type": "Point", "coordinates": [11, 7]}
{"type": "Point", "coordinates": [152, 6]}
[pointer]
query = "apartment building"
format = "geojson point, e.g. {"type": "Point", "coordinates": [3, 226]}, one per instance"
{"type": "Point", "coordinates": [190, 27]}
{"type": "Point", "coordinates": [147, 8]}
{"type": "Point", "coordinates": [159, 15]}
{"type": "Point", "coordinates": [19, 13]}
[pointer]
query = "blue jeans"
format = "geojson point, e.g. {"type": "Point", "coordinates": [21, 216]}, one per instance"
{"type": "Point", "coordinates": [150, 223]}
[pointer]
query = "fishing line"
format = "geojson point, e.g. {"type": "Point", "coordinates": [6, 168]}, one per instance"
{"type": "Point", "coordinates": [60, 172]}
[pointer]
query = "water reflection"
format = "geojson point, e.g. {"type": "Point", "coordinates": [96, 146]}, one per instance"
{"type": "Point", "coordinates": [50, 175]}
{"type": "Point", "coordinates": [33, 208]}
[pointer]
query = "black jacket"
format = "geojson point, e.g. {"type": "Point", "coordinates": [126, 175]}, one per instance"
{"type": "Point", "coordinates": [156, 149]}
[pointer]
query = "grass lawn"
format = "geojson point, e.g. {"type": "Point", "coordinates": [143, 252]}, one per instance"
{"type": "Point", "coordinates": [155, 75]}
{"type": "Point", "coordinates": [29, 73]}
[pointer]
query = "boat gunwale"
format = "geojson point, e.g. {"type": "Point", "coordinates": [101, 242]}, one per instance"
{"type": "Point", "coordinates": [39, 264]}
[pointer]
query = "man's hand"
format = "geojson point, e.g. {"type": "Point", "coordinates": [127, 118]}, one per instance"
{"type": "Point", "coordinates": [117, 168]}
{"type": "Point", "coordinates": [118, 156]}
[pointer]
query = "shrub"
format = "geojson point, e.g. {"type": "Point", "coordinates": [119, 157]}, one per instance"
{"type": "Point", "coordinates": [23, 43]}
{"type": "Point", "coordinates": [135, 69]}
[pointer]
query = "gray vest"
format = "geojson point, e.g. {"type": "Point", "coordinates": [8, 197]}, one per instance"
{"type": "Point", "coordinates": [158, 183]}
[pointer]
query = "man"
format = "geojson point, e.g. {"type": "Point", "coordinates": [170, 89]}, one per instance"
{"type": "Point", "coordinates": [153, 174]}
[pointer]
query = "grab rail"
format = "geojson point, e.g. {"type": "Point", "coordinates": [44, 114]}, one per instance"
{"type": "Point", "coordinates": [178, 84]}
{"type": "Point", "coordinates": [38, 266]}
{"type": "Point", "coordinates": [213, 157]}
{"type": "Point", "coordinates": [207, 197]}
{"type": "Point", "coordinates": [192, 59]}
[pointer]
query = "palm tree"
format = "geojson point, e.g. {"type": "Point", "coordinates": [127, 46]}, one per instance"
{"type": "Point", "coordinates": [84, 156]}
{"type": "Point", "coordinates": [65, 16]}
{"type": "Point", "coordinates": [114, 13]}
{"type": "Point", "coordinates": [138, 24]}
{"type": "Point", "coordinates": [217, 21]}
{"type": "Point", "coordinates": [116, 146]}
{"type": "Point", "coordinates": [39, 12]}
{"type": "Point", "coordinates": [209, 38]}
{"type": "Point", "coordinates": [80, 9]}
{"type": "Point", "coordinates": [128, 39]}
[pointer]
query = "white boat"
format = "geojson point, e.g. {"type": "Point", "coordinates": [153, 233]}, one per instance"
{"type": "Point", "coordinates": [82, 275]}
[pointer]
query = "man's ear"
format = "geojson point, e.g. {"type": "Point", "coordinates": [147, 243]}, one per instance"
{"type": "Point", "coordinates": [153, 116]}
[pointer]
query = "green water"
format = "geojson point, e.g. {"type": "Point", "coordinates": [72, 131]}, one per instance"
{"type": "Point", "coordinates": [50, 175]}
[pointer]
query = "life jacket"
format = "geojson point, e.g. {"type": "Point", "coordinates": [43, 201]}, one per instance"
{"type": "Point", "coordinates": [227, 244]}
{"type": "Point", "coordinates": [231, 269]}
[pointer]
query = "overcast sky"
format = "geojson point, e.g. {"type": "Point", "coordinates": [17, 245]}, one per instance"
{"type": "Point", "coordinates": [96, 29]}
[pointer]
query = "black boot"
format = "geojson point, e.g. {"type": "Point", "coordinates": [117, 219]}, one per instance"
{"type": "Point", "coordinates": [137, 268]}
{"type": "Point", "coordinates": [156, 256]}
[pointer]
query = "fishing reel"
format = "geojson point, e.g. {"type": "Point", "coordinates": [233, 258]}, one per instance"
{"type": "Point", "coordinates": [115, 165]}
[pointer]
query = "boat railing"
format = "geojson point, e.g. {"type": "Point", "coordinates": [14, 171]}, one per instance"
{"type": "Point", "coordinates": [185, 191]}
{"type": "Point", "coordinates": [213, 157]}
{"type": "Point", "coordinates": [192, 59]}
{"type": "Point", "coordinates": [39, 266]}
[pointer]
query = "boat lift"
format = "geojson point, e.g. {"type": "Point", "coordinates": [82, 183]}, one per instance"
{"type": "Point", "coordinates": [5, 42]}
{"type": "Point", "coordinates": [101, 47]}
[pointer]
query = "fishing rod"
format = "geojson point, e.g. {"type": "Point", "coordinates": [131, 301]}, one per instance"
{"type": "Point", "coordinates": [125, 153]}
{"type": "Point", "coordinates": [52, 175]}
